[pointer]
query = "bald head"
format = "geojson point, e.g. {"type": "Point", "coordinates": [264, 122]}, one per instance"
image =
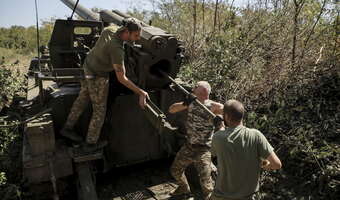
{"type": "Point", "coordinates": [234, 110]}
{"type": "Point", "coordinates": [202, 90]}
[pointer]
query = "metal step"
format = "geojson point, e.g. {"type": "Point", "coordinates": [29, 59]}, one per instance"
{"type": "Point", "coordinates": [79, 155]}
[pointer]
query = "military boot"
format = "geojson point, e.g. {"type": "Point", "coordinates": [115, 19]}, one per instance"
{"type": "Point", "coordinates": [181, 191]}
{"type": "Point", "coordinates": [89, 148]}
{"type": "Point", "coordinates": [70, 134]}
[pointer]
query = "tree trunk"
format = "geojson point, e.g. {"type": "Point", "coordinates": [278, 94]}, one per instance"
{"type": "Point", "coordinates": [215, 15]}
{"type": "Point", "coordinates": [312, 30]}
{"type": "Point", "coordinates": [203, 17]}
{"type": "Point", "coordinates": [297, 9]}
{"type": "Point", "coordinates": [337, 33]}
{"type": "Point", "coordinates": [194, 15]}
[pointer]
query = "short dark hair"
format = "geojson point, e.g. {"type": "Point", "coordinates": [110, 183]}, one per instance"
{"type": "Point", "coordinates": [131, 24]}
{"type": "Point", "coordinates": [234, 109]}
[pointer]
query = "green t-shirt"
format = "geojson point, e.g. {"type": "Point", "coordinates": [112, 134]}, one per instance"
{"type": "Point", "coordinates": [239, 151]}
{"type": "Point", "coordinates": [107, 51]}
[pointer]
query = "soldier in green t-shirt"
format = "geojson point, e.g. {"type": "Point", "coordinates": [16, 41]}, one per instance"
{"type": "Point", "coordinates": [106, 56]}
{"type": "Point", "coordinates": [241, 153]}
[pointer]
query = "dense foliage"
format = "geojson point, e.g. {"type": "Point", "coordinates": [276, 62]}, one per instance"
{"type": "Point", "coordinates": [10, 159]}
{"type": "Point", "coordinates": [303, 124]}
{"type": "Point", "coordinates": [12, 82]}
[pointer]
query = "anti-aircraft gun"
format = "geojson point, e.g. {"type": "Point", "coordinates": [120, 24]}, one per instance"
{"type": "Point", "coordinates": [134, 135]}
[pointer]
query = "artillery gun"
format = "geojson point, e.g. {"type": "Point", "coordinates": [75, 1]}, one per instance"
{"type": "Point", "coordinates": [134, 135]}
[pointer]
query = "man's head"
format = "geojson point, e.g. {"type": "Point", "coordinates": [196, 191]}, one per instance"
{"type": "Point", "coordinates": [202, 90]}
{"type": "Point", "coordinates": [130, 30]}
{"type": "Point", "coordinates": [233, 112]}
{"type": "Point", "coordinates": [43, 49]}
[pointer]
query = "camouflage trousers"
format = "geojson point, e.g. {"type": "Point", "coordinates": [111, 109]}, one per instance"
{"type": "Point", "coordinates": [94, 90]}
{"type": "Point", "coordinates": [201, 158]}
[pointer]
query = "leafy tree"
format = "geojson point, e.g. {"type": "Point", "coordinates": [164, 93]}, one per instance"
{"type": "Point", "coordinates": [24, 40]}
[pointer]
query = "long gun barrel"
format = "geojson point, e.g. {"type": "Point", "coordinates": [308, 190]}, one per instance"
{"type": "Point", "coordinates": [81, 11]}
{"type": "Point", "coordinates": [110, 17]}
{"type": "Point", "coordinates": [107, 16]}
{"type": "Point", "coordinates": [116, 17]}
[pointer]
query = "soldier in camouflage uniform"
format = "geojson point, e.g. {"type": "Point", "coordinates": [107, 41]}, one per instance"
{"type": "Point", "coordinates": [106, 56]}
{"type": "Point", "coordinates": [196, 150]}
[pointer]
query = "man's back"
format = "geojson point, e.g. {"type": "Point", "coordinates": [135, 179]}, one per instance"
{"type": "Point", "coordinates": [239, 151]}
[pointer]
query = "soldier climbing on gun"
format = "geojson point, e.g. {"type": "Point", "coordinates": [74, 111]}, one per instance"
{"type": "Point", "coordinates": [106, 56]}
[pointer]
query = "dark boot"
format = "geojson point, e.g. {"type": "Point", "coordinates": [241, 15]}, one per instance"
{"type": "Point", "coordinates": [89, 148]}
{"type": "Point", "coordinates": [70, 134]}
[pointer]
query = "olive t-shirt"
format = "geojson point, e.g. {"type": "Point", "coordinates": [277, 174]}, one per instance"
{"type": "Point", "coordinates": [107, 51]}
{"type": "Point", "coordinates": [239, 151]}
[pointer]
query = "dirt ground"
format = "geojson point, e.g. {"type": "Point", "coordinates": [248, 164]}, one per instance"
{"type": "Point", "coordinates": [151, 180]}
{"type": "Point", "coordinates": [146, 181]}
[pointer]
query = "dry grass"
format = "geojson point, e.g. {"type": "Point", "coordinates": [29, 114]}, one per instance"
{"type": "Point", "coordinates": [9, 58]}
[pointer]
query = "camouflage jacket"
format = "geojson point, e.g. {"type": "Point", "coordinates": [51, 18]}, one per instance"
{"type": "Point", "coordinates": [199, 125]}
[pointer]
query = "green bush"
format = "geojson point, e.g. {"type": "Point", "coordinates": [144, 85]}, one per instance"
{"type": "Point", "coordinates": [12, 85]}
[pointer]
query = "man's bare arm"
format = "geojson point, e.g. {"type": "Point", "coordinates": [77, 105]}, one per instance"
{"type": "Point", "coordinates": [177, 107]}
{"type": "Point", "coordinates": [272, 162]}
{"type": "Point", "coordinates": [120, 74]}
{"type": "Point", "coordinates": [217, 108]}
